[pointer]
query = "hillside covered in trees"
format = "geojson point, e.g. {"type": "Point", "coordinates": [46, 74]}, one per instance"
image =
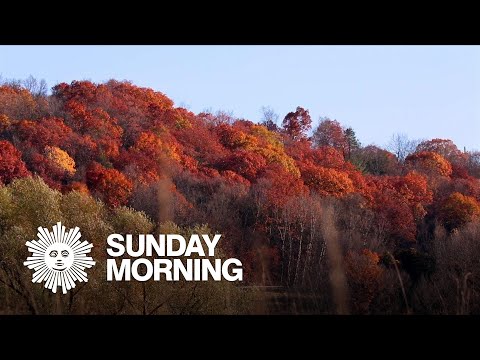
{"type": "Point", "coordinates": [346, 228]}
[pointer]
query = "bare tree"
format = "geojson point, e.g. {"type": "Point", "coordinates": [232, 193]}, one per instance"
{"type": "Point", "coordinates": [36, 88]}
{"type": "Point", "coordinates": [402, 146]}
{"type": "Point", "coordinates": [473, 163]}
{"type": "Point", "coordinates": [269, 118]}
{"type": "Point", "coordinates": [224, 117]}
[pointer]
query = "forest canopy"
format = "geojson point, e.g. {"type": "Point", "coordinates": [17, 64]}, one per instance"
{"type": "Point", "coordinates": [305, 206]}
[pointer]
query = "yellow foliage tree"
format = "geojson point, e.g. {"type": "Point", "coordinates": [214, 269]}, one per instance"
{"type": "Point", "coordinates": [4, 122]}
{"type": "Point", "coordinates": [271, 148]}
{"type": "Point", "coordinates": [61, 159]}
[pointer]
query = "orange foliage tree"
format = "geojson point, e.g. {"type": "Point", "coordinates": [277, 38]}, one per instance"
{"type": "Point", "coordinates": [429, 163]}
{"type": "Point", "coordinates": [17, 103]}
{"type": "Point", "coordinates": [414, 190]}
{"type": "Point", "coordinates": [326, 181]}
{"type": "Point", "coordinates": [5, 123]}
{"type": "Point", "coordinates": [393, 212]}
{"type": "Point", "coordinates": [108, 184]}
{"type": "Point", "coordinates": [155, 147]}
{"type": "Point", "coordinates": [277, 186]}
{"type": "Point", "coordinates": [444, 147]}
{"type": "Point", "coordinates": [61, 159]}
{"type": "Point", "coordinates": [98, 125]}
{"type": "Point", "coordinates": [459, 209]}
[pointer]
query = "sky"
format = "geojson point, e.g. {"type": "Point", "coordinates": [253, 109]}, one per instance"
{"type": "Point", "coordinates": [423, 91]}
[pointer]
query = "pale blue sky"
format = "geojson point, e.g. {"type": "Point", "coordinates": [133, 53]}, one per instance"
{"type": "Point", "coordinates": [423, 91]}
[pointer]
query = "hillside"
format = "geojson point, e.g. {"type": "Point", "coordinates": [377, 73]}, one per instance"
{"type": "Point", "coordinates": [294, 208]}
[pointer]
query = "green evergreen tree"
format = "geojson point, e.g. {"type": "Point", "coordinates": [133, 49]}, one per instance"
{"type": "Point", "coordinates": [351, 143]}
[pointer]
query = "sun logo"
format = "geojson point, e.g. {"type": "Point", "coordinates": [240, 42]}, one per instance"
{"type": "Point", "coordinates": [59, 258]}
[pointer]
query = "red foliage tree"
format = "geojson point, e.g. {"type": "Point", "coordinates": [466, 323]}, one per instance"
{"type": "Point", "coordinates": [445, 148]}
{"type": "Point", "coordinates": [201, 143]}
{"type": "Point", "coordinates": [232, 177]}
{"type": "Point", "coordinates": [97, 124]}
{"type": "Point", "coordinates": [80, 91]}
{"type": "Point", "coordinates": [297, 123]}
{"type": "Point", "coordinates": [278, 186]}
{"type": "Point", "coordinates": [328, 156]}
{"type": "Point", "coordinates": [47, 169]}
{"type": "Point", "coordinates": [330, 133]}
{"type": "Point", "coordinates": [138, 166]}
{"type": "Point", "coordinates": [414, 188]}
{"type": "Point", "coordinates": [11, 164]}
{"type": "Point", "coordinates": [244, 163]}
{"type": "Point", "coordinates": [45, 132]}
{"type": "Point", "coordinates": [459, 171]}
{"type": "Point", "coordinates": [108, 184]}
{"type": "Point", "coordinates": [393, 213]}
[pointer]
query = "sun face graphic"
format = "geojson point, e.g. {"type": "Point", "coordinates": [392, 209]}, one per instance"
{"type": "Point", "coordinates": [59, 258]}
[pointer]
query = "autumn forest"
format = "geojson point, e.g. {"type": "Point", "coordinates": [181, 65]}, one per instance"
{"type": "Point", "coordinates": [322, 223]}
